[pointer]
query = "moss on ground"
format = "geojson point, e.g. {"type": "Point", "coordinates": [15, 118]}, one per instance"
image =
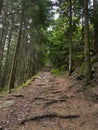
{"type": "Point", "coordinates": [18, 88]}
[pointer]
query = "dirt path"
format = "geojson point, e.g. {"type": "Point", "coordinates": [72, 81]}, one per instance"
{"type": "Point", "coordinates": [49, 103]}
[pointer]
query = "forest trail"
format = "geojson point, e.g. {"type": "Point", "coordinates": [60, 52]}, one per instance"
{"type": "Point", "coordinates": [49, 103]}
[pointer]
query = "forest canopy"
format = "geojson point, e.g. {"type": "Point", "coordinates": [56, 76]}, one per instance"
{"type": "Point", "coordinates": [35, 33]}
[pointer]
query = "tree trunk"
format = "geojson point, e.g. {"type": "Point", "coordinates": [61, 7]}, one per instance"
{"type": "Point", "coordinates": [1, 5]}
{"type": "Point", "coordinates": [14, 64]}
{"type": "Point", "coordinates": [2, 45]}
{"type": "Point", "coordinates": [3, 35]}
{"type": "Point", "coordinates": [87, 43]}
{"type": "Point", "coordinates": [4, 78]}
{"type": "Point", "coordinates": [70, 41]}
{"type": "Point", "coordinates": [95, 26]}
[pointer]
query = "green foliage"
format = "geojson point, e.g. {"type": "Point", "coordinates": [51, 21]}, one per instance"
{"type": "Point", "coordinates": [58, 45]}
{"type": "Point", "coordinates": [94, 60]}
{"type": "Point", "coordinates": [24, 40]}
{"type": "Point", "coordinates": [57, 71]}
{"type": "Point", "coordinates": [78, 58]}
{"type": "Point", "coordinates": [43, 40]}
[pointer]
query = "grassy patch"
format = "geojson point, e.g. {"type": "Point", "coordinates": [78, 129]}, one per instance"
{"type": "Point", "coordinates": [56, 71]}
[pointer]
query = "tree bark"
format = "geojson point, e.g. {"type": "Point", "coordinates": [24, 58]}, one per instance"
{"type": "Point", "coordinates": [70, 41]}
{"type": "Point", "coordinates": [95, 3]}
{"type": "Point", "coordinates": [5, 74]}
{"type": "Point", "coordinates": [1, 5]}
{"type": "Point", "coordinates": [87, 43]}
{"type": "Point", "coordinates": [14, 64]}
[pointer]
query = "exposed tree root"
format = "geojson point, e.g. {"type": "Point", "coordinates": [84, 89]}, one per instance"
{"type": "Point", "coordinates": [49, 117]}
{"type": "Point", "coordinates": [54, 101]}
{"type": "Point", "coordinates": [1, 128]}
{"type": "Point", "coordinates": [18, 95]}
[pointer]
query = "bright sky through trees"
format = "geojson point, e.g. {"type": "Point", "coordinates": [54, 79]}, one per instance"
{"type": "Point", "coordinates": [56, 15]}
